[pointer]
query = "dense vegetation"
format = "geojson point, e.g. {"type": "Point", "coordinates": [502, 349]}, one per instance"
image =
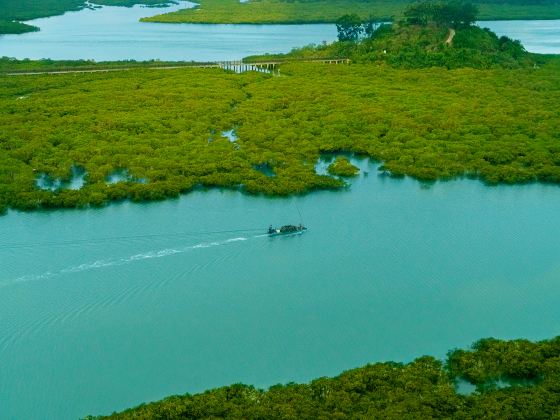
{"type": "Point", "coordinates": [13, 27]}
{"type": "Point", "coordinates": [450, 14]}
{"type": "Point", "coordinates": [322, 11]}
{"type": "Point", "coordinates": [432, 35]}
{"type": "Point", "coordinates": [19, 10]}
{"type": "Point", "coordinates": [342, 167]}
{"type": "Point", "coordinates": [12, 11]}
{"type": "Point", "coordinates": [423, 388]}
{"type": "Point", "coordinates": [33, 9]}
{"type": "Point", "coordinates": [165, 127]}
{"type": "Point", "coordinates": [411, 46]}
{"type": "Point", "coordinates": [12, 65]}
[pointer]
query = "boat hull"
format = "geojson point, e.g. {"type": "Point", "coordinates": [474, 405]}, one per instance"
{"type": "Point", "coordinates": [286, 232]}
{"type": "Point", "coordinates": [299, 232]}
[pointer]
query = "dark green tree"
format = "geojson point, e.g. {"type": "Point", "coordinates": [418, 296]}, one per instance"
{"type": "Point", "coordinates": [349, 28]}
{"type": "Point", "coordinates": [420, 13]}
{"type": "Point", "coordinates": [371, 25]}
{"type": "Point", "coordinates": [454, 14]}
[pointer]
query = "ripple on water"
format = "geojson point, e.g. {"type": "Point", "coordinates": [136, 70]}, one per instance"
{"type": "Point", "coordinates": [387, 271]}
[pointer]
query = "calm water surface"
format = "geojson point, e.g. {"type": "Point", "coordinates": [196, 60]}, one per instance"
{"type": "Point", "coordinates": [115, 33]}
{"type": "Point", "coordinates": [540, 36]}
{"type": "Point", "coordinates": [105, 308]}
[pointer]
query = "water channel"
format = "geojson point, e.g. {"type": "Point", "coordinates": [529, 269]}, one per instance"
{"type": "Point", "coordinates": [102, 309]}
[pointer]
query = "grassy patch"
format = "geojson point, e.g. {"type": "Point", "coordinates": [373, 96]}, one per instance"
{"type": "Point", "coordinates": [342, 167]}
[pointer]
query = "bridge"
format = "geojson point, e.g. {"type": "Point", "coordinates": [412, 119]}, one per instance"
{"type": "Point", "coordinates": [273, 64]}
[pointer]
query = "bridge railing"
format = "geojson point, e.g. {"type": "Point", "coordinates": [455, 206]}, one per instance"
{"type": "Point", "coordinates": [271, 65]}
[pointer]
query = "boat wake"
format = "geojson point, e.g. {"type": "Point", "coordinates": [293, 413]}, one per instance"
{"type": "Point", "coordinates": [125, 260]}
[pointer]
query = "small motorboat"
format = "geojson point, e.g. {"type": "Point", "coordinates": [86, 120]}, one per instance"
{"type": "Point", "coordinates": [286, 230]}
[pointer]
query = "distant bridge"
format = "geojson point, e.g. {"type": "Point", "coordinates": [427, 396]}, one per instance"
{"type": "Point", "coordinates": [235, 66]}
{"type": "Point", "coordinates": [272, 65]}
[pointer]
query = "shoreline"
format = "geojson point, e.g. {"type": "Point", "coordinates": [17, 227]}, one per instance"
{"type": "Point", "coordinates": [461, 384]}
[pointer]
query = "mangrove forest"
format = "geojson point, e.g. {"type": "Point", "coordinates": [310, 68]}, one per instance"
{"type": "Point", "coordinates": [492, 116]}
{"type": "Point", "coordinates": [329, 11]}
{"type": "Point", "coordinates": [516, 379]}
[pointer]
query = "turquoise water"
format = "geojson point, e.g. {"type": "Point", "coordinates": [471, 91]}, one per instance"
{"type": "Point", "coordinates": [102, 309]}
{"type": "Point", "coordinates": [115, 33]}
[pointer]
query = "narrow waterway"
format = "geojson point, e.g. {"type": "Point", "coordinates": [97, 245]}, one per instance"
{"type": "Point", "coordinates": [102, 309]}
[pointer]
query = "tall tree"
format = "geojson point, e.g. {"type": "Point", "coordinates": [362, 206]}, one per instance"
{"type": "Point", "coordinates": [371, 25]}
{"type": "Point", "coordinates": [420, 13]}
{"type": "Point", "coordinates": [465, 14]}
{"type": "Point", "coordinates": [452, 14]}
{"type": "Point", "coordinates": [349, 28]}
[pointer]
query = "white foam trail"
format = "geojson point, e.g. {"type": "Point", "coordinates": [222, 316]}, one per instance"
{"type": "Point", "coordinates": [84, 267]}
{"type": "Point", "coordinates": [25, 279]}
{"type": "Point", "coordinates": [121, 261]}
{"type": "Point", "coordinates": [236, 239]}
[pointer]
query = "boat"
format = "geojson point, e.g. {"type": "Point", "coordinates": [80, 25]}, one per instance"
{"type": "Point", "coordinates": [286, 230]}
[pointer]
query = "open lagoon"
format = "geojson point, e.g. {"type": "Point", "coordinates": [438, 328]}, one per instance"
{"type": "Point", "coordinates": [101, 309]}
{"type": "Point", "coordinates": [115, 33]}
